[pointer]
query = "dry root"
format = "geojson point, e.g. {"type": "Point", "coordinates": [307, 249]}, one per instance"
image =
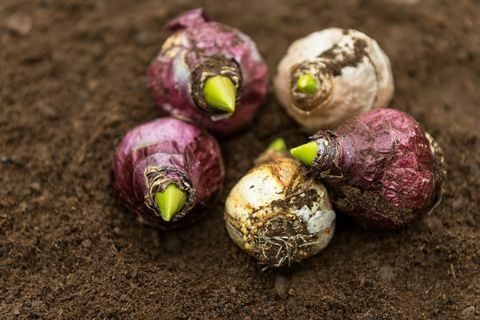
{"type": "Point", "coordinates": [279, 244]}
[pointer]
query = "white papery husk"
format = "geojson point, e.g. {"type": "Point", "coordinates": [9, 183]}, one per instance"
{"type": "Point", "coordinates": [264, 218]}
{"type": "Point", "coordinates": [359, 88]}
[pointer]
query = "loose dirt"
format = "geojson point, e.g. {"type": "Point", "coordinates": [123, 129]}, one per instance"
{"type": "Point", "coordinates": [73, 81]}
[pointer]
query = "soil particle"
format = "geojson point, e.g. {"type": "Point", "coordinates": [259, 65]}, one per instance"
{"type": "Point", "coordinates": [282, 286]}
{"type": "Point", "coordinates": [35, 186]}
{"type": "Point", "coordinates": [87, 243]}
{"type": "Point", "coordinates": [386, 273]}
{"type": "Point", "coordinates": [469, 313]}
{"type": "Point", "coordinates": [16, 310]}
{"type": "Point", "coordinates": [432, 222]}
{"type": "Point", "coordinates": [19, 23]}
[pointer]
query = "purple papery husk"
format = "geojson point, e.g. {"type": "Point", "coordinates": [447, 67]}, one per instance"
{"type": "Point", "coordinates": [195, 40]}
{"type": "Point", "coordinates": [163, 151]}
{"type": "Point", "coordinates": [381, 167]}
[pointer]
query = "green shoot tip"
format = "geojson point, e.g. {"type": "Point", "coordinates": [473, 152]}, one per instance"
{"type": "Point", "coordinates": [219, 93]}
{"type": "Point", "coordinates": [307, 83]}
{"type": "Point", "coordinates": [306, 153]}
{"type": "Point", "coordinates": [170, 201]}
{"type": "Point", "coordinates": [278, 145]}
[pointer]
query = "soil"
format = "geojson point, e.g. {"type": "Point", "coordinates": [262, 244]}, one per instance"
{"type": "Point", "coordinates": [73, 81]}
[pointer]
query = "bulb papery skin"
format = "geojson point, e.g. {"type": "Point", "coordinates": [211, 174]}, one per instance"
{"type": "Point", "coordinates": [164, 151]}
{"type": "Point", "coordinates": [277, 214]}
{"type": "Point", "coordinates": [381, 168]}
{"type": "Point", "coordinates": [353, 72]}
{"type": "Point", "coordinates": [199, 49]}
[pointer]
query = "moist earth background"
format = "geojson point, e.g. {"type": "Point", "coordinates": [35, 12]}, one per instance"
{"type": "Point", "coordinates": [73, 82]}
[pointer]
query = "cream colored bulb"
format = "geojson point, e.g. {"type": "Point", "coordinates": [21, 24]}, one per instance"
{"type": "Point", "coordinates": [277, 214]}
{"type": "Point", "coordinates": [352, 73]}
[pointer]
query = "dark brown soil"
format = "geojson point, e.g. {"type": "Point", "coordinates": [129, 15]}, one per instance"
{"type": "Point", "coordinates": [72, 82]}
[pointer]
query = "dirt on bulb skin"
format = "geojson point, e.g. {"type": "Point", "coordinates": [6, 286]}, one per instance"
{"type": "Point", "coordinates": [339, 59]}
{"type": "Point", "coordinates": [282, 241]}
{"type": "Point", "coordinates": [73, 82]}
{"type": "Point", "coordinates": [285, 239]}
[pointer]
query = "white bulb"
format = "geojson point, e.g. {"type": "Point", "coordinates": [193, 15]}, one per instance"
{"type": "Point", "coordinates": [279, 215]}
{"type": "Point", "coordinates": [353, 73]}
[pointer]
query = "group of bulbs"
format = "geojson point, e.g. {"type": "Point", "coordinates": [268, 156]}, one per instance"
{"type": "Point", "coordinates": [376, 165]}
